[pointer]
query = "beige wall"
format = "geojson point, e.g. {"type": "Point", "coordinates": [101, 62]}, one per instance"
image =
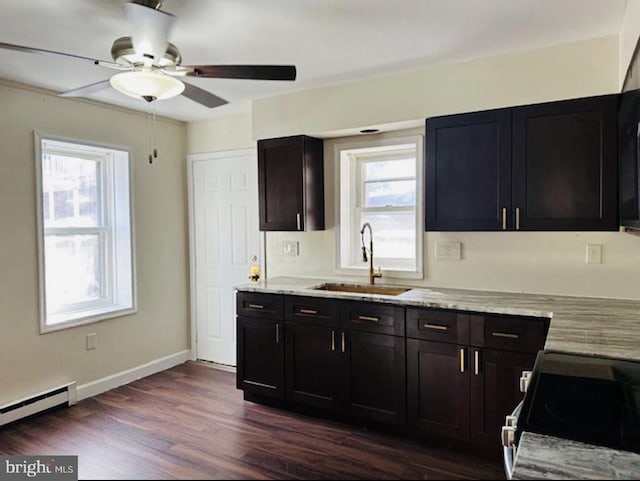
{"type": "Point", "coordinates": [223, 133]}
{"type": "Point", "coordinates": [577, 69]}
{"type": "Point", "coordinates": [628, 37]}
{"type": "Point", "coordinates": [539, 262]}
{"type": "Point", "coordinates": [31, 362]}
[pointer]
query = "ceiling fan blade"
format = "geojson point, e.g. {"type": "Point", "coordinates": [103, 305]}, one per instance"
{"type": "Point", "coordinates": [202, 96]}
{"type": "Point", "coordinates": [86, 89]}
{"type": "Point", "coordinates": [42, 51]}
{"type": "Point", "coordinates": [151, 28]}
{"type": "Point", "coordinates": [252, 72]}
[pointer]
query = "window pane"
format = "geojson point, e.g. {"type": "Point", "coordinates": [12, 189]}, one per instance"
{"type": "Point", "coordinates": [72, 268]}
{"type": "Point", "coordinates": [397, 193]}
{"type": "Point", "coordinates": [390, 169]}
{"type": "Point", "coordinates": [74, 183]}
{"type": "Point", "coordinates": [394, 234]}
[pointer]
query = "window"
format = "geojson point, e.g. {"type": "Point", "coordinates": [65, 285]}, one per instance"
{"type": "Point", "coordinates": [84, 231]}
{"type": "Point", "coordinates": [381, 183]}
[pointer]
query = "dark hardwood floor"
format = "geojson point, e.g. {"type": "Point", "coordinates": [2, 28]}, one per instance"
{"type": "Point", "coordinates": [190, 422]}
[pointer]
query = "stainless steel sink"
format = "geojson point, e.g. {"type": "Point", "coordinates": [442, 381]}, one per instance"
{"type": "Point", "coordinates": [362, 289]}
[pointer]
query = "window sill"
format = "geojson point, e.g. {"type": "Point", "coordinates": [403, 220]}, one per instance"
{"type": "Point", "coordinates": [68, 320]}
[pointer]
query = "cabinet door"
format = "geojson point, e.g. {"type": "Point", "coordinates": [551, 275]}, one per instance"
{"type": "Point", "coordinates": [280, 181]}
{"type": "Point", "coordinates": [495, 391]}
{"type": "Point", "coordinates": [312, 369]}
{"type": "Point", "coordinates": [260, 351]}
{"type": "Point", "coordinates": [438, 388]}
{"type": "Point", "coordinates": [375, 376]}
{"type": "Point", "coordinates": [468, 171]}
{"type": "Point", "coordinates": [565, 165]}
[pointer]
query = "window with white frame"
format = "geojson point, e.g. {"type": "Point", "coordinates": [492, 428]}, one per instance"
{"type": "Point", "coordinates": [84, 231]}
{"type": "Point", "coordinates": [380, 182]}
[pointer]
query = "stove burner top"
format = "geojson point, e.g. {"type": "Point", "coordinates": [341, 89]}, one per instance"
{"type": "Point", "coordinates": [593, 400]}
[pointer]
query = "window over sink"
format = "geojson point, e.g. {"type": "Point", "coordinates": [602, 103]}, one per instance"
{"type": "Point", "coordinates": [380, 182]}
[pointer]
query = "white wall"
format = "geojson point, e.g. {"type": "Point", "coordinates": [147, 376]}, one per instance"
{"type": "Point", "coordinates": [31, 362]}
{"type": "Point", "coordinates": [578, 69]}
{"type": "Point", "coordinates": [628, 37]}
{"type": "Point", "coordinates": [539, 262]}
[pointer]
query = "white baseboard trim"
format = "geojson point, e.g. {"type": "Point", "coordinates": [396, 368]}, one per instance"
{"type": "Point", "coordinates": [99, 386]}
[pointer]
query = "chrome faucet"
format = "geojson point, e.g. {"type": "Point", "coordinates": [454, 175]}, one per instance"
{"type": "Point", "coordinates": [372, 274]}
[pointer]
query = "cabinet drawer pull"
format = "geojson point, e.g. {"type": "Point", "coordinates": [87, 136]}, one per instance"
{"type": "Point", "coordinates": [462, 359]}
{"type": "Point", "coordinates": [277, 333]}
{"type": "Point", "coordinates": [256, 306]}
{"type": "Point", "coordinates": [307, 311]}
{"type": "Point", "coordinates": [504, 218]}
{"type": "Point", "coordinates": [298, 220]}
{"type": "Point", "coordinates": [517, 218]}
{"type": "Point", "coordinates": [476, 362]}
{"type": "Point", "coordinates": [343, 342]}
{"type": "Point", "coordinates": [333, 340]}
{"type": "Point", "coordinates": [368, 318]}
{"type": "Point", "coordinates": [505, 334]}
{"type": "Point", "coordinates": [436, 327]}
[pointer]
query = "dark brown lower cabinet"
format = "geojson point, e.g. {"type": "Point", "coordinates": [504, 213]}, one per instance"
{"type": "Point", "coordinates": [494, 391]}
{"type": "Point", "coordinates": [312, 367]}
{"type": "Point", "coordinates": [462, 392]}
{"type": "Point", "coordinates": [437, 389]}
{"type": "Point", "coordinates": [374, 384]}
{"type": "Point", "coordinates": [261, 374]}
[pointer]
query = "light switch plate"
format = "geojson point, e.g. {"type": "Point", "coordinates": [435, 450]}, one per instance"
{"type": "Point", "coordinates": [450, 251]}
{"type": "Point", "coordinates": [594, 254]}
{"type": "Point", "coordinates": [92, 341]}
{"type": "Point", "coordinates": [290, 248]}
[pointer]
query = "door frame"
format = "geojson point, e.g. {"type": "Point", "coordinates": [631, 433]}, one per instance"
{"type": "Point", "coordinates": [192, 159]}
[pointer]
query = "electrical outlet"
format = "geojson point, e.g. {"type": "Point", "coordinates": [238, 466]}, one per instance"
{"type": "Point", "coordinates": [290, 248]}
{"type": "Point", "coordinates": [448, 251]}
{"type": "Point", "coordinates": [92, 341]}
{"type": "Point", "coordinates": [594, 254]}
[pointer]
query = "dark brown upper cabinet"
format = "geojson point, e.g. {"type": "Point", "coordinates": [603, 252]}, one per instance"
{"type": "Point", "coordinates": [291, 183]}
{"type": "Point", "coordinates": [543, 167]}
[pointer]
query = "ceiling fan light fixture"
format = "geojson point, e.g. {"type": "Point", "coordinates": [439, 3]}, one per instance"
{"type": "Point", "coordinates": [141, 84]}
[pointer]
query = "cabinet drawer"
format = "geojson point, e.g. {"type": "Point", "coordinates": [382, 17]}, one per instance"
{"type": "Point", "coordinates": [312, 310]}
{"type": "Point", "coordinates": [438, 325]}
{"type": "Point", "coordinates": [508, 333]}
{"type": "Point", "coordinates": [252, 304]}
{"type": "Point", "coordinates": [372, 317]}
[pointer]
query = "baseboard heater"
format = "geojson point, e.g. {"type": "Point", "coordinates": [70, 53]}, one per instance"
{"type": "Point", "coordinates": [65, 394]}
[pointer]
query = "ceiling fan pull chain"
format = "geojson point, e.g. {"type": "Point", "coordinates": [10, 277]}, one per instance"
{"type": "Point", "coordinates": [154, 133]}
{"type": "Point", "coordinates": [150, 137]}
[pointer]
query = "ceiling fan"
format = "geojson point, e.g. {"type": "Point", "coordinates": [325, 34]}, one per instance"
{"type": "Point", "coordinates": [150, 66]}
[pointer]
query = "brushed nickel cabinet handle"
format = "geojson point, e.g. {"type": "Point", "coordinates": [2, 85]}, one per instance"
{"type": "Point", "coordinates": [298, 220]}
{"type": "Point", "coordinates": [504, 218]}
{"type": "Point", "coordinates": [462, 359]}
{"type": "Point", "coordinates": [277, 333]}
{"type": "Point", "coordinates": [435, 327]}
{"type": "Point", "coordinates": [343, 342]}
{"type": "Point", "coordinates": [307, 311]}
{"type": "Point", "coordinates": [505, 334]}
{"type": "Point", "coordinates": [368, 318]}
{"type": "Point", "coordinates": [476, 362]}
{"type": "Point", "coordinates": [517, 218]}
{"type": "Point", "coordinates": [256, 306]}
{"type": "Point", "coordinates": [333, 340]}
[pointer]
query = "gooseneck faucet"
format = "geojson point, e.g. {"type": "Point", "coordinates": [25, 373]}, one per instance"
{"type": "Point", "coordinates": [372, 274]}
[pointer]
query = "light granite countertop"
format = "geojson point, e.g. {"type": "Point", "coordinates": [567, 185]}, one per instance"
{"type": "Point", "coordinates": [579, 325]}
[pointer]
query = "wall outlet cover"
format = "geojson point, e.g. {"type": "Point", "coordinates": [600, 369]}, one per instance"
{"type": "Point", "coordinates": [594, 254]}
{"type": "Point", "coordinates": [451, 251]}
{"type": "Point", "coordinates": [290, 248]}
{"type": "Point", "coordinates": [92, 341]}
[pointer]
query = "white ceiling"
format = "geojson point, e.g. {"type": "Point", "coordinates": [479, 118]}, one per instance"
{"type": "Point", "coordinates": [329, 41]}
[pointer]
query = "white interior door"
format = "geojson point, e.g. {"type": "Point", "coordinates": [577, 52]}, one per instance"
{"type": "Point", "coordinates": [224, 192]}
